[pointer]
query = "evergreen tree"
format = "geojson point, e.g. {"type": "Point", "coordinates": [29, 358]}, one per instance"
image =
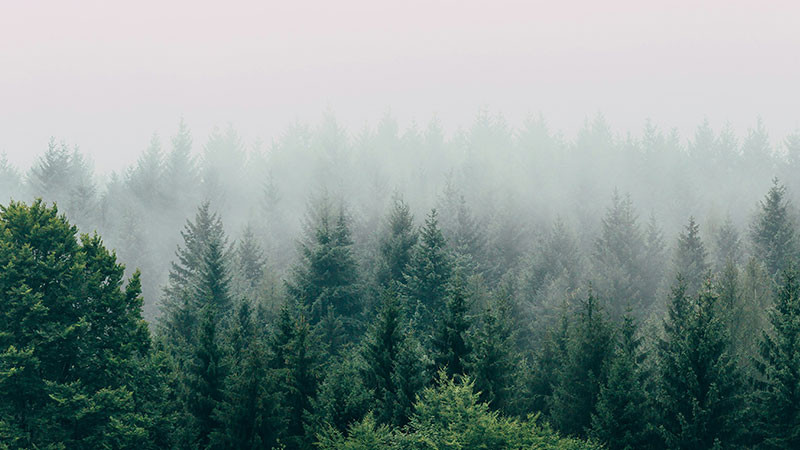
{"type": "Point", "coordinates": [493, 361]}
{"type": "Point", "coordinates": [727, 245]}
{"type": "Point", "coordinates": [75, 354]}
{"type": "Point", "coordinates": [204, 383]}
{"type": "Point", "coordinates": [397, 245]}
{"type": "Point", "coordinates": [691, 258]}
{"type": "Point", "coordinates": [588, 348]}
{"type": "Point", "coordinates": [428, 274]}
{"type": "Point", "coordinates": [294, 357]}
{"type": "Point", "coordinates": [779, 367]}
{"type": "Point", "coordinates": [197, 278]}
{"type": "Point", "coordinates": [618, 259]}
{"type": "Point", "coordinates": [249, 412]}
{"type": "Point", "coordinates": [700, 388]}
{"type": "Point", "coordinates": [451, 347]}
{"type": "Point", "coordinates": [326, 279]}
{"type": "Point", "coordinates": [772, 232]}
{"type": "Point", "coordinates": [393, 368]}
{"type": "Point", "coordinates": [622, 414]}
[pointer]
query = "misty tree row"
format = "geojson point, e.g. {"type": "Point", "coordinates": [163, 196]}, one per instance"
{"type": "Point", "coordinates": [516, 182]}
{"type": "Point", "coordinates": [416, 347]}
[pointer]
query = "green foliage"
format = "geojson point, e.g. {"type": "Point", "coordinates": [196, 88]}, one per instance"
{"type": "Point", "coordinates": [492, 363]}
{"type": "Point", "coordinates": [428, 275]}
{"type": "Point", "coordinates": [582, 370]}
{"type": "Point", "coordinates": [450, 344]}
{"type": "Point", "coordinates": [773, 232]}
{"type": "Point", "coordinates": [326, 279]}
{"type": "Point", "coordinates": [396, 246]}
{"type": "Point", "coordinates": [700, 387]}
{"type": "Point", "coordinates": [623, 413]}
{"type": "Point", "coordinates": [778, 400]}
{"type": "Point", "coordinates": [691, 258]}
{"type": "Point", "coordinates": [75, 355]}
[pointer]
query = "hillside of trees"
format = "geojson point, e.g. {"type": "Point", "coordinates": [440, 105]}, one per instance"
{"type": "Point", "coordinates": [498, 288]}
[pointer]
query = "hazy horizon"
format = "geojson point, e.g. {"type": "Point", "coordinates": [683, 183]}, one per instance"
{"type": "Point", "coordinates": [106, 78]}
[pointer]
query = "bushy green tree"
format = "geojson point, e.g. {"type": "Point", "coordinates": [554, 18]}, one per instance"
{"type": "Point", "coordinates": [75, 354]}
{"type": "Point", "coordinates": [450, 344]}
{"type": "Point", "coordinates": [397, 245]}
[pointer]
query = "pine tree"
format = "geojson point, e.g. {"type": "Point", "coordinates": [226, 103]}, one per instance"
{"type": "Point", "coordinates": [326, 278]}
{"type": "Point", "coordinates": [493, 361]}
{"type": "Point", "coordinates": [772, 232]}
{"type": "Point", "coordinates": [429, 272]}
{"type": "Point", "coordinates": [700, 387]}
{"type": "Point", "coordinates": [199, 277]}
{"type": "Point", "coordinates": [618, 259]}
{"type": "Point", "coordinates": [779, 366]}
{"type": "Point", "coordinates": [451, 347]}
{"type": "Point", "coordinates": [249, 413]}
{"type": "Point", "coordinates": [393, 368]}
{"type": "Point", "coordinates": [294, 357]}
{"type": "Point", "coordinates": [397, 245]}
{"type": "Point", "coordinates": [727, 245]}
{"type": "Point", "coordinates": [577, 386]}
{"type": "Point", "coordinates": [691, 258]}
{"type": "Point", "coordinates": [622, 417]}
{"type": "Point", "coordinates": [204, 383]}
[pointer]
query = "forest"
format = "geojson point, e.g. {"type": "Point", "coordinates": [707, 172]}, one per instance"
{"type": "Point", "coordinates": [498, 287]}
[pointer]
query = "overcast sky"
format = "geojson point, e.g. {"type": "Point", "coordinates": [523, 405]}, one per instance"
{"type": "Point", "coordinates": [106, 75]}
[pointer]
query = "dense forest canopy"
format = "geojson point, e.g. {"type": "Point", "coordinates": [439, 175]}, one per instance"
{"type": "Point", "coordinates": [501, 287]}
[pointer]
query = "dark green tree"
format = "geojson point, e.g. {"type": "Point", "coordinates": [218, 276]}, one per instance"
{"type": "Point", "coordinates": [623, 413]}
{"type": "Point", "coordinates": [493, 359]}
{"type": "Point", "coordinates": [450, 344]}
{"type": "Point", "coordinates": [583, 371]}
{"type": "Point", "coordinates": [772, 232]}
{"type": "Point", "coordinates": [700, 387]}
{"type": "Point", "coordinates": [691, 258]}
{"type": "Point", "coordinates": [326, 277]}
{"type": "Point", "coordinates": [76, 365]}
{"type": "Point", "coordinates": [428, 274]}
{"type": "Point", "coordinates": [779, 368]}
{"type": "Point", "coordinates": [397, 245]}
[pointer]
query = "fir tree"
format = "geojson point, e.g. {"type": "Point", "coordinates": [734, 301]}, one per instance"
{"type": "Point", "coordinates": [428, 274]}
{"type": "Point", "coordinates": [622, 417]}
{"type": "Point", "coordinates": [691, 258]}
{"type": "Point", "coordinates": [700, 396]}
{"type": "Point", "coordinates": [397, 245]}
{"type": "Point", "coordinates": [578, 380]}
{"type": "Point", "coordinates": [451, 347]}
{"type": "Point", "coordinates": [772, 232]}
{"type": "Point", "coordinates": [492, 365]}
{"type": "Point", "coordinates": [779, 367]}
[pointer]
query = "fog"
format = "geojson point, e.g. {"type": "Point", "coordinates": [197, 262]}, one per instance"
{"type": "Point", "coordinates": [106, 77]}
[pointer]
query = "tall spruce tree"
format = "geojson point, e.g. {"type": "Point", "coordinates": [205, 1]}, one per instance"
{"type": "Point", "coordinates": [700, 386]}
{"type": "Point", "coordinates": [397, 245]}
{"type": "Point", "coordinates": [772, 232]}
{"type": "Point", "coordinates": [492, 364]}
{"type": "Point", "coordinates": [393, 368]}
{"type": "Point", "coordinates": [577, 386]}
{"type": "Point", "coordinates": [450, 344]}
{"type": "Point", "coordinates": [325, 281]}
{"type": "Point", "coordinates": [429, 273]}
{"type": "Point", "coordinates": [623, 413]}
{"type": "Point", "coordinates": [691, 258]}
{"type": "Point", "coordinates": [779, 367]}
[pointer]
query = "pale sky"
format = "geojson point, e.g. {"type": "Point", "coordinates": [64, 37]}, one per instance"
{"type": "Point", "coordinates": [105, 75]}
